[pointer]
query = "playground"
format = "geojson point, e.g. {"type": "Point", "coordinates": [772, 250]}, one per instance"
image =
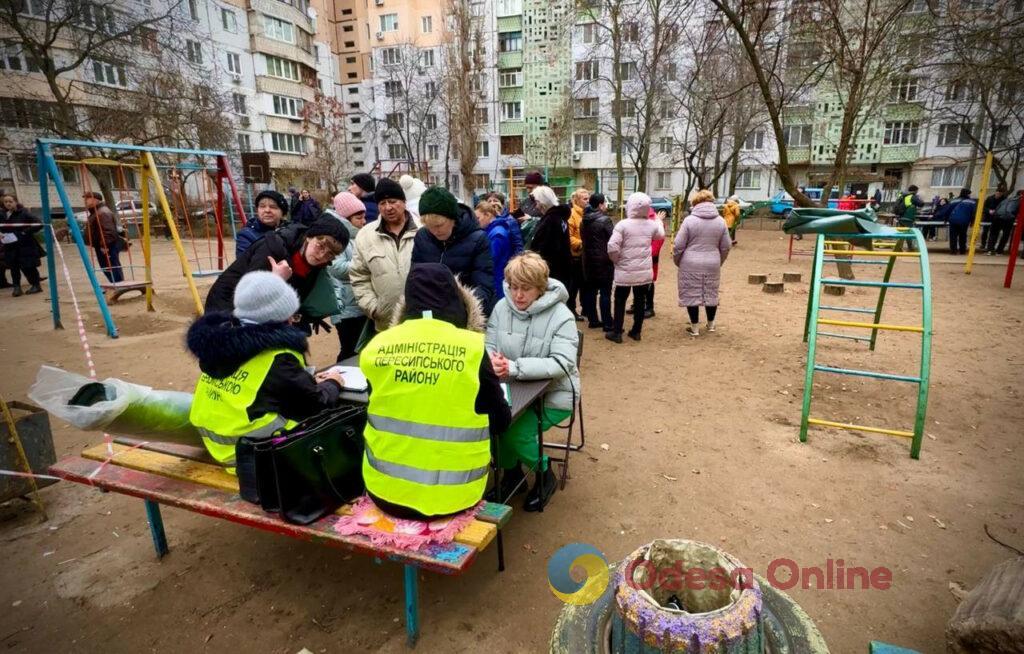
{"type": "Point", "coordinates": [688, 438]}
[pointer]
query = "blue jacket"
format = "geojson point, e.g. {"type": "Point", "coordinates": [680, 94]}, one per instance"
{"type": "Point", "coordinates": [515, 236]}
{"type": "Point", "coordinates": [372, 212]}
{"type": "Point", "coordinates": [962, 212]}
{"type": "Point", "coordinates": [501, 251]}
{"type": "Point", "coordinates": [467, 253]}
{"type": "Point", "coordinates": [306, 211]}
{"type": "Point", "coordinates": [253, 231]}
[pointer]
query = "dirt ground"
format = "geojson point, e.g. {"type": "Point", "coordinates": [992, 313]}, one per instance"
{"type": "Point", "coordinates": [701, 442]}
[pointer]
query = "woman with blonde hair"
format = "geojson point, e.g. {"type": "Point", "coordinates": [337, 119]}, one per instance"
{"type": "Point", "coordinates": [531, 335]}
{"type": "Point", "coordinates": [579, 201]}
{"type": "Point", "coordinates": [700, 249]}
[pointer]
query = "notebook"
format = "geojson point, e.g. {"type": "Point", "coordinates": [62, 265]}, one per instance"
{"type": "Point", "coordinates": [354, 378]}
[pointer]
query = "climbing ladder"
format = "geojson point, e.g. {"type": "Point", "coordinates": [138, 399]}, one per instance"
{"type": "Point", "coordinates": [830, 250]}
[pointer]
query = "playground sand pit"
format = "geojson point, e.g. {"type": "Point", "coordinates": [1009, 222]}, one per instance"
{"type": "Point", "coordinates": [687, 438]}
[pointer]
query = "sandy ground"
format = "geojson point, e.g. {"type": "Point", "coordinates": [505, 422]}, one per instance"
{"type": "Point", "coordinates": [701, 442]}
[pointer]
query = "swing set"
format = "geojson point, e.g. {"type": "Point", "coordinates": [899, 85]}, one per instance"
{"type": "Point", "coordinates": [174, 175]}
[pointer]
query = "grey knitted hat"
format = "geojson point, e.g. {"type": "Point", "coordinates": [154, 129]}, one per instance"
{"type": "Point", "coordinates": [263, 297]}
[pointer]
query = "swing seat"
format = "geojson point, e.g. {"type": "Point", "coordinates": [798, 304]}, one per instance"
{"type": "Point", "coordinates": [117, 289]}
{"type": "Point", "coordinates": [206, 273]}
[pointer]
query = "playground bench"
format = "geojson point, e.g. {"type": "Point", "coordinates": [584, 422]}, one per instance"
{"type": "Point", "coordinates": [186, 477]}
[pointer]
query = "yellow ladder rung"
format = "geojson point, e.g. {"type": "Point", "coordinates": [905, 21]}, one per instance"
{"type": "Point", "coordinates": [872, 253]}
{"type": "Point", "coordinates": [844, 425]}
{"type": "Point", "coordinates": [871, 325]}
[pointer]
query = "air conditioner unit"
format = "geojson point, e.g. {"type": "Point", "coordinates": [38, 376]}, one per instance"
{"type": "Point", "coordinates": [575, 156]}
{"type": "Point", "coordinates": [244, 121]}
{"type": "Point", "coordinates": [380, 36]}
{"type": "Point", "coordinates": [379, 3]}
{"type": "Point", "coordinates": [236, 78]}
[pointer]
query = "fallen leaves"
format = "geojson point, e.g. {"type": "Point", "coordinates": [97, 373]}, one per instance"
{"type": "Point", "coordinates": [605, 447]}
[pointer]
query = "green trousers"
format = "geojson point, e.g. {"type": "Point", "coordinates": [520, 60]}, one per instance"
{"type": "Point", "coordinates": [519, 442]}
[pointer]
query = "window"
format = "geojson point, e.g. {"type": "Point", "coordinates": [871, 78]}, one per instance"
{"type": "Point", "coordinates": [350, 60]}
{"type": "Point", "coordinates": [427, 24]}
{"type": "Point", "coordinates": [391, 56]}
{"type": "Point", "coordinates": [283, 68]}
{"type": "Point", "coordinates": [587, 70]}
{"type": "Point", "coordinates": [289, 107]}
{"type": "Point", "coordinates": [510, 7]}
{"type": "Point", "coordinates": [625, 143]}
{"type": "Point", "coordinates": [110, 74]}
{"type": "Point", "coordinates": [588, 33]}
{"type": "Point", "coordinates": [147, 40]}
{"type": "Point", "coordinates": [395, 120]}
{"type": "Point", "coordinates": [904, 90]}
{"type": "Point", "coordinates": [478, 82]}
{"type": "Point", "coordinates": [586, 108]}
{"type": "Point", "coordinates": [397, 151]}
{"type": "Point", "coordinates": [18, 113]}
{"type": "Point", "coordinates": [430, 90]}
{"type": "Point", "coordinates": [389, 23]}
{"type": "Point", "coordinates": [352, 90]}
{"type": "Point", "coordinates": [512, 145]}
{"type": "Point", "coordinates": [664, 147]}
{"type": "Point", "coordinates": [664, 181]}
{"type": "Point", "coordinates": [510, 77]}
{"type": "Point", "coordinates": [427, 58]}
{"type": "Point", "coordinates": [510, 41]}
{"type": "Point", "coordinates": [626, 71]}
{"type": "Point", "coordinates": [901, 133]}
{"type": "Point", "coordinates": [433, 151]}
{"type": "Point", "coordinates": [35, 7]}
{"type": "Point", "coordinates": [917, 7]}
{"type": "Point", "coordinates": [671, 71]}
{"type": "Point", "coordinates": [244, 143]}
{"type": "Point", "coordinates": [955, 91]}
{"type": "Point", "coordinates": [630, 32]}
{"type": "Point", "coordinates": [483, 149]}
{"type": "Point", "coordinates": [754, 141]}
{"type": "Point", "coordinates": [481, 115]}
{"type": "Point", "coordinates": [100, 17]}
{"type": "Point", "coordinates": [430, 121]}
{"type": "Point", "coordinates": [278, 29]}
{"type": "Point", "coordinates": [1000, 136]}
{"type": "Point", "coordinates": [228, 20]}
{"type": "Point", "coordinates": [668, 110]}
{"type": "Point", "coordinates": [193, 52]}
{"type": "Point", "coordinates": [796, 136]}
{"type": "Point", "coordinates": [748, 179]}
{"type": "Point", "coordinates": [291, 143]}
{"type": "Point", "coordinates": [238, 102]}
{"type": "Point", "coordinates": [193, 9]}
{"type": "Point", "coordinates": [626, 108]}
{"type": "Point", "coordinates": [234, 63]}
{"type": "Point", "coordinates": [26, 167]}
{"type": "Point", "coordinates": [951, 134]}
{"type": "Point", "coordinates": [511, 110]}
{"type": "Point", "coordinates": [951, 176]}
{"type": "Point", "coordinates": [392, 89]}
{"type": "Point", "coordinates": [585, 142]}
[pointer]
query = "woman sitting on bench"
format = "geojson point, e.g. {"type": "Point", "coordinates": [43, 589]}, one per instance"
{"type": "Point", "coordinates": [532, 335]}
{"type": "Point", "coordinates": [254, 379]}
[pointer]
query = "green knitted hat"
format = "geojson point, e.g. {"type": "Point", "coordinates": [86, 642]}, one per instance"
{"type": "Point", "coordinates": [438, 200]}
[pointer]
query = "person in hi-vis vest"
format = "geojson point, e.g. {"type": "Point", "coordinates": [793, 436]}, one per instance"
{"type": "Point", "coordinates": [434, 401]}
{"type": "Point", "coordinates": [254, 379]}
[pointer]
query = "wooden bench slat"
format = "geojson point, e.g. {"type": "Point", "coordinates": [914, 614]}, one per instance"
{"type": "Point", "coordinates": [493, 513]}
{"type": "Point", "coordinates": [452, 558]}
{"type": "Point", "coordinates": [478, 534]}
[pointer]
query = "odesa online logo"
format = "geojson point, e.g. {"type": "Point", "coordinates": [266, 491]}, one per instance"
{"type": "Point", "coordinates": [560, 580]}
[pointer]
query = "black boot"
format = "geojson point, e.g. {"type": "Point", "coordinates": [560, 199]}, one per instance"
{"type": "Point", "coordinates": [511, 484]}
{"type": "Point", "coordinates": [34, 288]}
{"type": "Point", "coordinates": [17, 291]}
{"type": "Point", "coordinates": [536, 502]}
{"type": "Point", "coordinates": [613, 336]}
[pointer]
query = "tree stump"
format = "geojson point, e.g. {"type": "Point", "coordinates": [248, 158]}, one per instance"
{"type": "Point", "coordinates": [773, 287]}
{"type": "Point", "coordinates": [791, 277]}
{"type": "Point", "coordinates": [991, 617]}
{"type": "Point", "coordinates": [757, 279]}
{"type": "Point", "coordinates": [831, 289]}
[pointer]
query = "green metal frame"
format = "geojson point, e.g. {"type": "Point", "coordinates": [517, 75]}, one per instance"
{"type": "Point", "coordinates": [814, 308]}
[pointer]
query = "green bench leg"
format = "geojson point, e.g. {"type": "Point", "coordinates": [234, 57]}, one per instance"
{"type": "Point", "coordinates": [412, 606]}
{"type": "Point", "coordinates": [156, 528]}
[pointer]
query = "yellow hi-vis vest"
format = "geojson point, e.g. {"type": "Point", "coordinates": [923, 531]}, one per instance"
{"type": "Point", "coordinates": [426, 446]}
{"type": "Point", "coordinates": [220, 407]}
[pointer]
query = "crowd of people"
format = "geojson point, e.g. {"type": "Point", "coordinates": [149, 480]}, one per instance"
{"type": "Point", "coordinates": [481, 295]}
{"type": "Point", "coordinates": [998, 215]}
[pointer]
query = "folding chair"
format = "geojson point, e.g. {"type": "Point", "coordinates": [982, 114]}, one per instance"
{"type": "Point", "coordinates": [577, 416]}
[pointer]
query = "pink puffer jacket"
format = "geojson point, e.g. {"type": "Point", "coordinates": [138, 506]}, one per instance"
{"type": "Point", "coordinates": [630, 245]}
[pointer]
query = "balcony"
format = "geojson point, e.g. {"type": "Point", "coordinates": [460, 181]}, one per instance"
{"type": "Point", "coordinates": [510, 59]}
{"type": "Point", "coordinates": [510, 23]}
{"type": "Point", "coordinates": [512, 94]}
{"type": "Point", "coordinates": [900, 153]}
{"type": "Point", "coordinates": [283, 11]}
{"type": "Point", "coordinates": [284, 125]}
{"type": "Point", "coordinates": [513, 128]}
{"type": "Point", "coordinates": [799, 154]}
{"type": "Point", "coordinates": [277, 86]}
{"type": "Point", "coordinates": [285, 50]}
{"type": "Point", "coordinates": [281, 160]}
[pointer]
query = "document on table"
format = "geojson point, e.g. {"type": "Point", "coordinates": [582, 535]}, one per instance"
{"type": "Point", "coordinates": [354, 378]}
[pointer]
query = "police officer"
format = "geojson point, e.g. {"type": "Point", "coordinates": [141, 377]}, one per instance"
{"type": "Point", "coordinates": [434, 401]}
{"type": "Point", "coordinates": [254, 379]}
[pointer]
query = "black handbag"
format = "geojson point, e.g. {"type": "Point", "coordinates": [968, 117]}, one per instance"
{"type": "Point", "coordinates": [306, 472]}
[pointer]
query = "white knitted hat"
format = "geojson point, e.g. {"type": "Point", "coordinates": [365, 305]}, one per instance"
{"type": "Point", "coordinates": [262, 297]}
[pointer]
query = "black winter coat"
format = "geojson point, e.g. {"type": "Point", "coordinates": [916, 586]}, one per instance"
{"type": "Point", "coordinates": [222, 344]}
{"type": "Point", "coordinates": [26, 251]}
{"type": "Point", "coordinates": [551, 241]}
{"type": "Point", "coordinates": [596, 231]}
{"type": "Point", "coordinates": [467, 253]}
{"type": "Point", "coordinates": [281, 245]}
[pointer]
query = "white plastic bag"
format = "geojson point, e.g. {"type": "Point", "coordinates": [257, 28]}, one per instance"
{"type": "Point", "coordinates": [128, 410]}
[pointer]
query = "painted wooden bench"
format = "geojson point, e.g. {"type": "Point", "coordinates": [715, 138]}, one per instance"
{"type": "Point", "coordinates": [186, 477]}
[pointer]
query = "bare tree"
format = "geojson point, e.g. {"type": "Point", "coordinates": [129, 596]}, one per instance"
{"type": "Point", "coordinates": [462, 83]}
{"type": "Point", "coordinates": [324, 120]}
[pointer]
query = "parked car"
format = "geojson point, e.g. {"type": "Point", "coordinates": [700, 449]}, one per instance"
{"type": "Point", "coordinates": [744, 205]}
{"type": "Point", "coordinates": [782, 202]}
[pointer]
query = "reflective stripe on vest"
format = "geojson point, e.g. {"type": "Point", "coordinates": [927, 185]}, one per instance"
{"type": "Point", "coordinates": [220, 407]}
{"type": "Point", "coordinates": [426, 446]}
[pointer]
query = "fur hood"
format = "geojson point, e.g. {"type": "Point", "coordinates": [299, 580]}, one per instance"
{"type": "Point", "coordinates": [222, 343]}
{"type": "Point", "coordinates": [477, 322]}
